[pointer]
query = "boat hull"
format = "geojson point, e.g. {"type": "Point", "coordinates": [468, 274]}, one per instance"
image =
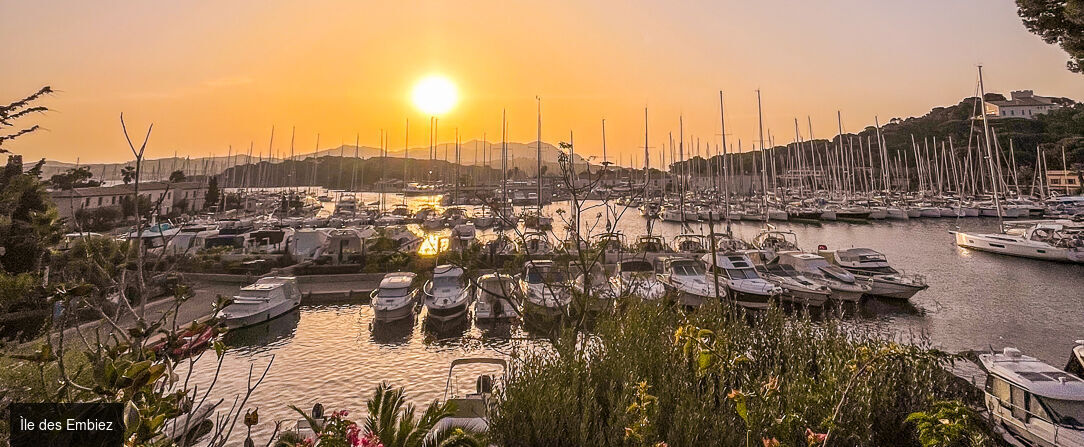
{"type": "Point", "coordinates": [261, 316]}
{"type": "Point", "coordinates": [1007, 246]}
{"type": "Point", "coordinates": [385, 314]}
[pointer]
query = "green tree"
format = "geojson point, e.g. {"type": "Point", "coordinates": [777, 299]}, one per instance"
{"type": "Point", "coordinates": [177, 176]}
{"type": "Point", "coordinates": [128, 174]}
{"type": "Point", "coordinates": [74, 178]}
{"type": "Point", "coordinates": [212, 196]}
{"type": "Point", "coordinates": [1057, 22]}
{"type": "Point", "coordinates": [29, 222]}
{"type": "Point", "coordinates": [18, 109]}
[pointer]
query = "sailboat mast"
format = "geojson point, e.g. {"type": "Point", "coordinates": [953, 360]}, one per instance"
{"type": "Point", "coordinates": [989, 149]}
{"type": "Point", "coordinates": [763, 178]}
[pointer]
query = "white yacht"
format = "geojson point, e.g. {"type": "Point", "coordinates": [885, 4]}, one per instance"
{"type": "Point", "coordinates": [544, 288]}
{"type": "Point", "coordinates": [1036, 402]}
{"type": "Point", "coordinates": [637, 278]}
{"type": "Point", "coordinates": [687, 279]}
{"type": "Point", "coordinates": [774, 241]}
{"type": "Point", "coordinates": [395, 297]}
{"type": "Point", "coordinates": [868, 263]}
{"type": "Point", "coordinates": [472, 400]}
{"type": "Point", "coordinates": [594, 290]}
{"type": "Point", "coordinates": [463, 235]}
{"type": "Point", "coordinates": [266, 299]}
{"type": "Point", "coordinates": [1059, 240]}
{"type": "Point", "coordinates": [844, 285]}
{"type": "Point", "coordinates": [536, 244]}
{"type": "Point", "coordinates": [447, 294]}
{"type": "Point", "coordinates": [743, 284]}
{"type": "Point", "coordinates": [494, 298]}
{"type": "Point", "coordinates": [689, 243]}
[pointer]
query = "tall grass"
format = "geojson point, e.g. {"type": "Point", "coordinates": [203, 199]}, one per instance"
{"type": "Point", "coordinates": [715, 379]}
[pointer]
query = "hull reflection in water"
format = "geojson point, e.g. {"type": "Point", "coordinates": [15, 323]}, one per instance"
{"type": "Point", "coordinates": [273, 332]}
{"type": "Point", "coordinates": [395, 332]}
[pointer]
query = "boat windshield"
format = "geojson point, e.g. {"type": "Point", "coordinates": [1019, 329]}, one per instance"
{"type": "Point", "coordinates": [258, 293]}
{"type": "Point", "coordinates": [445, 281]}
{"type": "Point", "coordinates": [742, 273]}
{"type": "Point", "coordinates": [687, 269]}
{"type": "Point", "coordinates": [814, 264]}
{"type": "Point", "coordinates": [636, 266]}
{"type": "Point", "coordinates": [536, 276]}
{"type": "Point", "coordinates": [393, 292]}
{"type": "Point", "coordinates": [1066, 412]}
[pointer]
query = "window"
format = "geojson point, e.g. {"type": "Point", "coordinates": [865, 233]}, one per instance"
{"type": "Point", "coordinates": [1036, 408]}
{"type": "Point", "coordinates": [88, 202]}
{"type": "Point", "coordinates": [1019, 403]}
{"type": "Point", "coordinates": [100, 201]}
{"type": "Point", "coordinates": [1000, 389]}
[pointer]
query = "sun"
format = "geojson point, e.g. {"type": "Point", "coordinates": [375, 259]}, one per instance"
{"type": "Point", "coordinates": [435, 95]}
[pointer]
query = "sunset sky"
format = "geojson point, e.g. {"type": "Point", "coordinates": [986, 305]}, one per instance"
{"type": "Point", "coordinates": [213, 74]}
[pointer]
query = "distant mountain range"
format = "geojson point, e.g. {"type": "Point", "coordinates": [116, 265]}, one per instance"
{"type": "Point", "coordinates": [521, 155]}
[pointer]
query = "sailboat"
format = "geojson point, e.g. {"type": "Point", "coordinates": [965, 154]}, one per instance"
{"type": "Point", "coordinates": [1050, 240]}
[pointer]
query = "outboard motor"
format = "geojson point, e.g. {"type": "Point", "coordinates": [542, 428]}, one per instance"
{"type": "Point", "coordinates": [484, 384]}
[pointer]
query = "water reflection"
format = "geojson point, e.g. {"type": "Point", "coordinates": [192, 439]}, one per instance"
{"type": "Point", "coordinates": [264, 336]}
{"type": "Point", "coordinates": [393, 333]}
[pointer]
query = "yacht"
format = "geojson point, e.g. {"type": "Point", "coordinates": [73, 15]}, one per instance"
{"type": "Point", "coordinates": [689, 243]}
{"type": "Point", "coordinates": [544, 288]}
{"type": "Point", "coordinates": [536, 243]}
{"type": "Point", "coordinates": [744, 286]}
{"type": "Point", "coordinates": [1036, 402]}
{"type": "Point", "coordinates": [473, 400]}
{"type": "Point", "coordinates": [651, 244]}
{"type": "Point", "coordinates": [687, 280]}
{"type": "Point", "coordinates": [262, 301]}
{"type": "Point", "coordinates": [1060, 240]}
{"type": "Point", "coordinates": [493, 298]}
{"type": "Point", "coordinates": [637, 278]}
{"type": "Point", "coordinates": [797, 288]}
{"type": "Point", "coordinates": [346, 206]}
{"type": "Point", "coordinates": [868, 263]}
{"type": "Point", "coordinates": [594, 290]}
{"type": "Point", "coordinates": [463, 235]}
{"type": "Point", "coordinates": [447, 294]}
{"type": "Point", "coordinates": [844, 285]}
{"type": "Point", "coordinates": [774, 241]}
{"type": "Point", "coordinates": [395, 297]}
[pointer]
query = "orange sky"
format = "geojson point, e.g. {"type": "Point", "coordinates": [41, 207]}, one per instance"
{"type": "Point", "coordinates": [214, 74]}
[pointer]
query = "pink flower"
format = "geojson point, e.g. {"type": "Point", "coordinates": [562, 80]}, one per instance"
{"type": "Point", "coordinates": [369, 440]}
{"type": "Point", "coordinates": [340, 414]}
{"type": "Point", "coordinates": [352, 434]}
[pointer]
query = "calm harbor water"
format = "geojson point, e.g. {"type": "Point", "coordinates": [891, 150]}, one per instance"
{"type": "Point", "coordinates": [334, 355]}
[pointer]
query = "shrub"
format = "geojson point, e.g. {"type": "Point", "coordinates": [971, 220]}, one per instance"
{"type": "Point", "coordinates": [714, 379]}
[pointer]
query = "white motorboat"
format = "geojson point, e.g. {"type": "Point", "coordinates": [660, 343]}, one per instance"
{"type": "Point", "coordinates": [473, 406]}
{"type": "Point", "coordinates": [593, 291]}
{"type": "Point", "coordinates": [774, 241]}
{"type": "Point", "coordinates": [463, 235]}
{"type": "Point", "coordinates": [844, 285]}
{"type": "Point", "coordinates": [868, 263]}
{"type": "Point", "coordinates": [544, 288]}
{"type": "Point", "coordinates": [395, 297]}
{"type": "Point", "coordinates": [494, 298]}
{"type": "Point", "coordinates": [262, 301]}
{"type": "Point", "coordinates": [689, 243]}
{"type": "Point", "coordinates": [743, 285]}
{"type": "Point", "coordinates": [897, 213]}
{"type": "Point", "coordinates": [447, 294]}
{"type": "Point", "coordinates": [534, 244]}
{"type": "Point", "coordinates": [687, 280]}
{"type": "Point", "coordinates": [407, 240]}
{"type": "Point", "coordinates": [1060, 240]}
{"type": "Point", "coordinates": [1036, 402]}
{"type": "Point", "coordinates": [637, 278]}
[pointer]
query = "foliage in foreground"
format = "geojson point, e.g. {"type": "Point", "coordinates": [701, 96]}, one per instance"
{"type": "Point", "coordinates": [653, 374]}
{"type": "Point", "coordinates": [391, 422]}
